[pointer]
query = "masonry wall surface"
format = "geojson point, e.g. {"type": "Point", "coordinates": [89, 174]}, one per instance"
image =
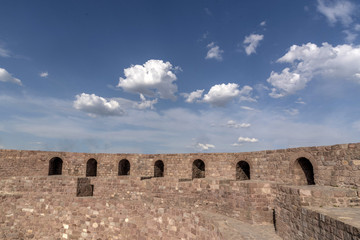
{"type": "Point", "coordinates": [337, 165]}
{"type": "Point", "coordinates": [139, 206]}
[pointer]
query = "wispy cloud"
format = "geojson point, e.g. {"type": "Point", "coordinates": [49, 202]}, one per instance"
{"type": "Point", "coordinates": [7, 77]}
{"type": "Point", "coordinates": [4, 52]}
{"type": "Point", "coordinates": [144, 104]}
{"type": "Point", "coordinates": [204, 146]}
{"type": "Point", "coordinates": [246, 139]}
{"type": "Point", "coordinates": [292, 111]}
{"type": "Point", "coordinates": [251, 42]}
{"type": "Point", "coordinates": [44, 74]}
{"type": "Point", "coordinates": [357, 27]}
{"type": "Point", "coordinates": [350, 36]}
{"type": "Point", "coordinates": [242, 140]}
{"type": "Point", "coordinates": [214, 52]}
{"type": "Point", "coordinates": [207, 11]}
{"type": "Point", "coordinates": [233, 124]}
{"type": "Point", "coordinates": [300, 101]}
{"type": "Point", "coordinates": [247, 108]}
{"type": "Point", "coordinates": [204, 36]}
{"type": "Point", "coordinates": [337, 10]}
{"type": "Point", "coordinates": [56, 122]}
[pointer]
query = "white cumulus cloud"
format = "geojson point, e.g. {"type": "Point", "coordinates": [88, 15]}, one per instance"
{"type": "Point", "coordinates": [288, 83]}
{"type": "Point", "coordinates": [191, 97]}
{"type": "Point", "coordinates": [309, 60]}
{"type": "Point", "coordinates": [221, 94]}
{"type": "Point", "coordinates": [251, 42]}
{"type": "Point", "coordinates": [97, 106]}
{"type": "Point", "coordinates": [337, 10]}
{"type": "Point", "coordinates": [214, 52]}
{"type": "Point", "coordinates": [263, 23]}
{"type": "Point", "coordinates": [153, 78]}
{"type": "Point", "coordinates": [7, 77]}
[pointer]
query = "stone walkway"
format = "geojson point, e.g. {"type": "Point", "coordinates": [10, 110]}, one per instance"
{"type": "Point", "coordinates": [350, 215]}
{"type": "Point", "coordinates": [233, 229]}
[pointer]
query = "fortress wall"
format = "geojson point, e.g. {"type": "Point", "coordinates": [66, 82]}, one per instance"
{"type": "Point", "coordinates": [315, 225]}
{"type": "Point", "coordinates": [337, 165]}
{"type": "Point", "coordinates": [134, 207]}
{"type": "Point", "coordinates": [294, 220]}
{"type": "Point", "coordinates": [312, 224]}
{"type": "Point", "coordinates": [105, 218]}
{"type": "Point", "coordinates": [250, 201]}
{"type": "Point", "coordinates": [53, 185]}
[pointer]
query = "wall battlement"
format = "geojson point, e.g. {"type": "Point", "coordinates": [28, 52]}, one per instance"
{"type": "Point", "coordinates": [123, 196]}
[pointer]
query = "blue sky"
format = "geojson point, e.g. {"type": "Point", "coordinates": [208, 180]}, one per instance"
{"type": "Point", "coordinates": [178, 76]}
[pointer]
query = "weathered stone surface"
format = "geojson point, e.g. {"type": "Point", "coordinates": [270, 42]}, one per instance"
{"type": "Point", "coordinates": [138, 199]}
{"type": "Point", "coordinates": [84, 188]}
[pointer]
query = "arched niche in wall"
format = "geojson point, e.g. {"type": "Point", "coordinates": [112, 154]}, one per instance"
{"type": "Point", "coordinates": [159, 168]}
{"type": "Point", "coordinates": [304, 172]}
{"type": "Point", "coordinates": [55, 166]}
{"type": "Point", "coordinates": [198, 169]}
{"type": "Point", "coordinates": [242, 170]}
{"type": "Point", "coordinates": [124, 167]}
{"type": "Point", "coordinates": [303, 169]}
{"type": "Point", "coordinates": [91, 168]}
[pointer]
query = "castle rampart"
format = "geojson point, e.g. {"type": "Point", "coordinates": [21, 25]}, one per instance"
{"type": "Point", "coordinates": [332, 165]}
{"type": "Point", "coordinates": [133, 192]}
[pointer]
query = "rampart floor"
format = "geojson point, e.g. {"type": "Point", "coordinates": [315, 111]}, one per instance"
{"type": "Point", "coordinates": [349, 216]}
{"type": "Point", "coordinates": [233, 229]}
{"type": "Point", "coordinates": [171, 209]}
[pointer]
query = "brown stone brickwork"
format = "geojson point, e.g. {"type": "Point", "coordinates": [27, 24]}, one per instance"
{"type": "Point", "coordinates": [62, 195]}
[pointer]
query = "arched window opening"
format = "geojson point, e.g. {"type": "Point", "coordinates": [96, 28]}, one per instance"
{"type": "Point", "coordinates": [198, 169]}
{"type": "Point", "coordinates": [159, 168]}
{"type": "Point", "coordinates": [91, 168]}
{"type": "Point", "coordinates": [55, 166]}
{"type": "Point", "coordinates": [124, 167]}
{"type": "Point", "coordinates": [304, 172]}
{"type": "Point", "coordinates": [242, 171]}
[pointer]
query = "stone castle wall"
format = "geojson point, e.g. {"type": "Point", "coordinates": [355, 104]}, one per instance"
{"type": "Point", "coordinates": [34, 205]}
{"type": "Point", "coordinates": [337, 165]}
